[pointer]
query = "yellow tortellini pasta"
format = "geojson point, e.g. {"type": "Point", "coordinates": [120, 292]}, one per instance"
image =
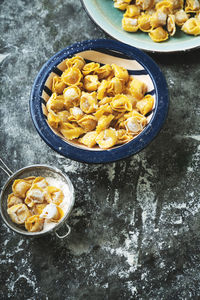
{"type": "Point", "coordinates": [58, 85]}
{"type": "Point", "coordinates": [191, 26]}
{"type": "Point", "coordinates": [32, 201]}
{"type": "Point", "coordinates": [160, 17]}
{"type": "Point", "coordinates": [19, 213]}
{"type": "Point", "coordinates": [95, 104]}
{"type": "Point", "coordinates": [76, 61]}
{"type": "Point", "coordinates": [34, 223]}
{"type": "Point", "coordinates": [158, 34]}
{"type": "Point", "coordinates": [121, 4]}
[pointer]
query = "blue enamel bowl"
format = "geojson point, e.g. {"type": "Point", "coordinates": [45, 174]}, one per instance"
{"type": "Point", "coordinates": [103, 51]}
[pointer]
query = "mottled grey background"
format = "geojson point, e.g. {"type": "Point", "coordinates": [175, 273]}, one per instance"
{"type": "Point", "coordinates": [136, 223]}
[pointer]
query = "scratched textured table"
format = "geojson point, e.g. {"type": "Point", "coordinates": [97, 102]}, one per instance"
{"type": "Point", "coordinates": [136, 223]}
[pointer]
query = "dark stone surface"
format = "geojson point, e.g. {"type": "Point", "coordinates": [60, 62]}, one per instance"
{"type": "Point", "coordinates": [136, 223]}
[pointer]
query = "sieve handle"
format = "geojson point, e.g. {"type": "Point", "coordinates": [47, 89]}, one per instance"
{"type": "Point", "coordinates": [66, 234]}
{"type": "Point", "coordinates": [5, 168]}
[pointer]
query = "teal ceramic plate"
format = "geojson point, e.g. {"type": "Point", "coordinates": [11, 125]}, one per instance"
{"type": "Point", "coordinates": [109, 19]}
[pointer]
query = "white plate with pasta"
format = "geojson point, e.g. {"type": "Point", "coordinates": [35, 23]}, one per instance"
{"type": "Point", "coordinates": [165, 27]}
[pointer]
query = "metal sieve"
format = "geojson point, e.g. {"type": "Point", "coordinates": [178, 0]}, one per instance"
{"type": "Point", "coordinates": [34, 170]}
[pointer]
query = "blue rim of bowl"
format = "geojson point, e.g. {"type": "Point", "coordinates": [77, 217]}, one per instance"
{"type": "Point", "coordinates": [114, 154]}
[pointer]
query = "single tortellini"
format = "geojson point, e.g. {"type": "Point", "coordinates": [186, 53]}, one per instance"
{"type": "Point", "coordinates": [181, 17]}
{"type": "Point", "coordinates": [132, 11]}
{"type": "Point", "coordinates": [88, 122]}
{"type": "Point", "coordinates": [171, 25]}
{"type": "Point", "coordinates": [103, 110]}
{"type": "Point", "coordinates": [130, 24]}
{"type": "Point", "coordinates": [55, 103]}
{"type": "Point", "coordinates": [21, 186]}
{"type": "Point", "coordinates": [70, 131]}
{"type": "Point", "coordinates": [102, 89]}
{"type": "Point", "coordinates": [58, 85]}
{"type": "Point", "coordinates": [76, 114]}
{"type": "Point", "coordinates": [121, 4]}
{"type": "Point", "coordinates": [104, 71]}
{"type": "Point", "coordinates": [35, 195]}
{"type": "Point", "coordinates": [107, 138]}
{"type": "Point", "coordinates": [76, 61]}
{"type": "Point", "coordinates": [133, 125]}
{"type": "Point", "coordinates": [52, 212]}
{"type": "Point", "coordinates": [159, 18]}
{"type": "Point", "coordinates": [63, 115]}
{"type": "Point", "coordinates": [191, 26]}
{"type": "Point", "coordinates": [144, 22]}
{"type": "Point", "coordinates": [137, 88]}
{"type": "Point", "coordinates": [53, 119]}
{"type": "Point", "coordinates": [34, 223]}
{"type": "Point", "coordinates": [91, 83]}
{"type": "Point", "coordinates": [121, 103]}
{"type": "Point", "coordinates": [72, 96]}
{"type": "Point", "coordinates": [115, 86]}
{"type": "Point", "coordinates": [41, 182]}
{"type": "Point", "coordinates": [165, 6]}
{"type": "Point", "coordinates": [158, 34]}
{"type": "Point", "coordinates": [13, 200]}
{"type": "Point", "coordinates": [192, 6]}
{"type": "Point", "coordinates": [54, 195]}
{"type": "Point", "coordinates": [104, 122]}
{"type": "Point", "coordinates": [89, 139]}
{"type": "Point", "coordinates": [71, 76]}
{"type": "Point", "coordinates": [145, 4]}
{"type": "Point", "coordinates": [19, 213]}
{"type": "Point", "coordinates": [123, 136]}
{"type": "Point", "coordinates": [90, 68]}
{"type": "Point", "coordinates": [120, 72]}
{"type": "Point", "coordinates": [145, 105]}
{"type": "Point", "coordinates": [88, 102]}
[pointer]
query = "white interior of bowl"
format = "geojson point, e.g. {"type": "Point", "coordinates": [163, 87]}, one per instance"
{"type": "Point", "coordinates": [102, 58]}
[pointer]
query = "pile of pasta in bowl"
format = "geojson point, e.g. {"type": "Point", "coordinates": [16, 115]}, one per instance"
{"type": "Point", "coordinates": [160, 18]}
{"type": "Point", "coordinates": [97, 106]}
{"type": "Point", "coordinates": [36, 204]}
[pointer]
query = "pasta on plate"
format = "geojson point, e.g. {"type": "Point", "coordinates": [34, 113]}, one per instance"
{"type": "Point", "coordinates": [98, 105]}
{"type": "Point", "coordinates": [33, 201]}
{"type": "Point", "coordinates": [160, 18]}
